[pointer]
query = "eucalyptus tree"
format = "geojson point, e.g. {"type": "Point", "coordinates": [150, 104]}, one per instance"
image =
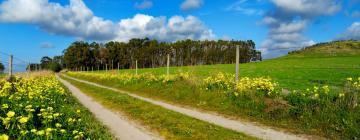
{"type": "Point", "coordinates": [151, 53]}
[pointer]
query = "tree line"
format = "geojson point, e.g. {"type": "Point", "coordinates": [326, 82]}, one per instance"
{"type": "Point", "coordinates": [150, 53]}
{"type": "Point", "coordinates": [46, 63]}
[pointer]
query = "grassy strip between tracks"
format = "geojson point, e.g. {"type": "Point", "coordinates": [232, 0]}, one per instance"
{"type": "Point", "coordinates": [169, 124]}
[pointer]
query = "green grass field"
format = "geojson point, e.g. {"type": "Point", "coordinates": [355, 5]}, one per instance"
{"type": "Point", "coordinates": [2, 75]}
{"type": "Point", "coordinates": [328, 64]}
{"type": "Point", "coordinates": [290, 72]}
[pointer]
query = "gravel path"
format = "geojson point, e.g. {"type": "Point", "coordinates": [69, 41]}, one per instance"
{"type": "Point", "coordinates": [119, 125]}
{"type": "Point", "coordinates": [248, 128]}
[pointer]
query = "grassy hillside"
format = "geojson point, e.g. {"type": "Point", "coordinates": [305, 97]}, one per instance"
{"type": "Point", "coordinates": [329, 49]}
{"type": "Point", "coordinates": [298, 70]}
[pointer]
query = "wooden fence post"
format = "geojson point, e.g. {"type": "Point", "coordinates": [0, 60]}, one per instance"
{"type": "Point", "coordinates": [10, 66]}
{"type": "Point", "coordinates": [237, 64]}
{"type": "Point", "coordinates": [168, 65]}
{"type": "Point", "coordinates": [136, 67]}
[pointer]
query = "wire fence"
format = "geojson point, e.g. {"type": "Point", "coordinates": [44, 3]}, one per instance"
{"type": "Point", "coordinates": [16, 64]}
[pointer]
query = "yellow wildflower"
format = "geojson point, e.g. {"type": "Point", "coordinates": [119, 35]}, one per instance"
{"type": "Point", "coordinates": [58, 125]}
{"type": "Point", "coordinates": [326, 89]}
{"type": "Point", "coordinates": [341, 95]}
{"type": "Point", "coordinates": [23, 132]}
{"type": "Point", "coordinates": [4, 137]}
{"type": "Point", "coordinates": [6, 121]}
{"type": "Point", "coordinates": [23, 120]}
{"type": "Point", "coordinates": [48, 130]}
{"type": "Point", "coordinates": [10, 114]}
{"type": "Point", "coordinates": [56, 114]}
{"type": "Point", "coordinates": [40, 133]}
{"type": "Point", "coordinates": [5, 106]}
{"type": "Point", "coordinates": [316, 95]}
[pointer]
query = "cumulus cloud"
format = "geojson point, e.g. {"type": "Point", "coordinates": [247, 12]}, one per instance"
{"type": "Point", "coordinates": [288, 22]}
{"type": "Point", "coordinates": [175, 28]}
{"type": "Point", "coordinates": [352, 32]}
{"type": "Point", "coordinates": [72, 20]}
{"type": "Point", "coordinates": [146, 4]}
{"type": "Point", "coordinates": [77, 20]}
{"type": "Point", "coordinates": [191, 4]}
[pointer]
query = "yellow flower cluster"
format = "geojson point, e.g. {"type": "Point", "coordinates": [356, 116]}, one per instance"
{"type": "Point", "coordinates": [127, 78]}
{"type": "Point", "coordinates": [31, 109]}
{"type": "Point", "coordinates": [316, 92]}
{"type": "Point", "coordinates": [222, 81]}
{"type": "Point", "coordinates": [355, 83]}
{"type": "Point", "coordinates": [244, 85]}
{"type": "Point", "coordinates": [263, 85]}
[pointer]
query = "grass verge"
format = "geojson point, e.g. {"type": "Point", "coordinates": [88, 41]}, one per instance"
{"type": "Point", "coordinates": [318, 113]}
{"type": "Point", "coordinates": [169, 124]}
{"type": "Point", "coordinates": [94, 128]}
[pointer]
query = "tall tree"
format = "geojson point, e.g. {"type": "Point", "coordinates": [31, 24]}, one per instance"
{"type": "Point", "coordinates": [45, 61]}
{"type": "Point", "coordinates": [2, 68]}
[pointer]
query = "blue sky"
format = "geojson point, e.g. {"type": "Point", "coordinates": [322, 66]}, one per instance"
{"type": "Point", "coordinates": [36, 28]}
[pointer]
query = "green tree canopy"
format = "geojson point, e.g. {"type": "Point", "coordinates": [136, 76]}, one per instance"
{"type": "Point", "coordinates": [150, 53]}
{"type": "Point", "coordinates": [2, 68]}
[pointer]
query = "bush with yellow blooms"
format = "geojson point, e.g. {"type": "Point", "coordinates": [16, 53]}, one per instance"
{"type": "Point", "coordinates": [33, 108]}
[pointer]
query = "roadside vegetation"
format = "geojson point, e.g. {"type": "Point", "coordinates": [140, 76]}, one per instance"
{"type": "Point", "coordinates": [316, 110]}
{"type": "Point", "coordinates": [315, 95]}
{"type": "Point", "coordinates": [169, 124]}
{"type": "Point", "coordinates": [39, 107]}
{"type": "Point", "coordinates": [2, 75]}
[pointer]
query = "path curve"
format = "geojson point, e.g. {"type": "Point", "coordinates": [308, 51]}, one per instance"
{"type": "Point", "coordinates": [119, 126]}
{"type": "Point", "coordinates": [248, 128]}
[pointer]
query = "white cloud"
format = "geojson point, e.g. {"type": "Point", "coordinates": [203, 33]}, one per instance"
{"type": "Point", "coordinates": [175, 28]}
{"type": "Point", "coordinates": [289, 20]}
{"type": "Point", "coordinates": [191, 4]}
{"type": "Point", "coordinates": [77, 20]}
{"type": "Point", "coordinates": [289, 27]}
{"type": "Point", "coordinates": [146, 4]}
{"type": "Point", "coordinates": [285, 35]}
{"type": "Point", "coordinates": [244, 7]}
{"type": "Point", "coordinates": [309, 7]}
{"type": "Point", "coordinates": [72, 20]}
{"type": "Point", "coordinates": [353, 32]}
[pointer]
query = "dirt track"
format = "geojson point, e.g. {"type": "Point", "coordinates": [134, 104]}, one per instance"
{"type": "Point", "coordinates": [248, 128]}
{"type": "Point", "coordinates": [119, 125]}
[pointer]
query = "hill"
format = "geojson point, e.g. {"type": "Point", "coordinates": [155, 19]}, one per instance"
{"type": "Point", "coordinates": [334, 48]}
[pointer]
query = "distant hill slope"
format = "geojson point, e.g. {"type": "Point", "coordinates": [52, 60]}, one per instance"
{"type": "Point", "coordinates": [329, 49]}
